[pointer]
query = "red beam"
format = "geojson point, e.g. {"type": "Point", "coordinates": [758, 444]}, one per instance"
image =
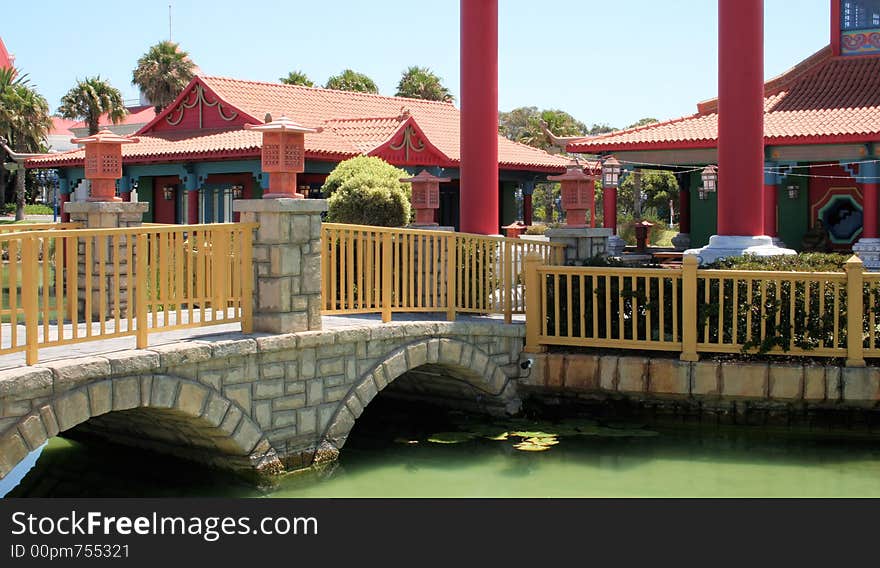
{"type": "Point", "coordinates": [479, 117]}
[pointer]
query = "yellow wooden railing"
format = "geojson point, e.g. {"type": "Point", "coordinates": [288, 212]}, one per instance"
{"type": "Point", "coordinates": [68, 286]}
{"type": "Point", "coordinates": [368, 269]}
{"type": "Point", "coordinates": [23, 227]}
{"type": "Point", "coordinates": [693, 311]}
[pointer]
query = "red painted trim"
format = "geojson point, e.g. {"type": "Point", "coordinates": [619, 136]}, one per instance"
{"type": "Point", "coordinates": [183, 95]}
{"type": "Point", "coordinates": [609, 209]}
{"type": "Point", "coordinates": [870, 210]}
{"type": "Point", "coordinates": [192, 198]}
{"type": "Point", "coordinates": [835, 27]}
{"type": "Point", "coordinates": [710, 144]}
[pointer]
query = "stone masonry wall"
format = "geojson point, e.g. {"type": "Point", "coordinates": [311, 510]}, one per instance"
{"type": "Point", "coordinates": [256, 399]}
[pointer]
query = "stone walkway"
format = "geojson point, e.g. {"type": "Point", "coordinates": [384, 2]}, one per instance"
{"type": "Point", "coordinates": [211, 333]}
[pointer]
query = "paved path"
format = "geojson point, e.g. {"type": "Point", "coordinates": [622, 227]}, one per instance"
{"type": "Point", "coordinates": [214, 333]}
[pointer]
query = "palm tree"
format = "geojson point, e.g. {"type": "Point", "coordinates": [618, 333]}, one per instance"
{"type": "Point", "coordinates": [350, 80]}
{"type": "Point", "coordinates": [91, 98]}
{"type": "Point", "coordinates": [422, 83]}
{"type": "Point", "coordinates": [162, 73]}
{"type": "Point", "coordinates": [297, 78]}
{"type": "Point", "coordinates": [24, 123]}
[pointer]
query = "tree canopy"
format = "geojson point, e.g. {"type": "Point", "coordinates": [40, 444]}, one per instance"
{"type": "Point", "coordinates": [24, 123]}
{"type": "Point", "coordinates": [659, 193]}
{"type": "Point", "coordinates": [89, 99]}
{"type": "Point", "coordinates": [422, 83]}
{"type": "Point", "coordinates": [643, 122]}
{"type": "Point", "coordinates": [297, 77]}
{"type": "Point", "coordinates": [162, 73]}
{"type": "Point", "coordinates": [523, 125]}
{"type": "Point", "coordinates": [350, 80]}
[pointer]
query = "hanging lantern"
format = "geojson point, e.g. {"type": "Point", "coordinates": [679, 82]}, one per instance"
{"type": "Point", "coordinates": [610, 172]}
{"type": "Point", "coordinates": [237, 191]}
{"type": "Point", "coordinates": [710, 179]}
{"type": "Point", "coordinates": [794, 191]}
{"type": "Point", "coordinates": [168, 192]}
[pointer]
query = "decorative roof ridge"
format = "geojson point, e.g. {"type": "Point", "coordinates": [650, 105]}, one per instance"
{"type": "Point", "coordinates": [398, 118]}
{"type": "Point", "coordinates": [200, 80]}
{"type": "Point", "coordinates": [302, 87]}
{"type": "Point", "coordinates": [781, 82]}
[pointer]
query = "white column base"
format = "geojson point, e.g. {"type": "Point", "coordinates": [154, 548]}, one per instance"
{"type": "Point", "coordinates": [681, 241]}
{"type": "Point", "coordinates": [615, 246]}
{"type": "Point", "coordinates": [869, 251]}
{"type": "Point", "coordinates": [724, 246]}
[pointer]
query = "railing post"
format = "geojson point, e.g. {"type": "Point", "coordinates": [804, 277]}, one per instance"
{"type": "Point", "coordinates": [386, 276]}
{"type": "Point", "coordinates": [689, 309]}
{"type": "Point", "coordinates": [508, 280]}
{"type": "Point", "coordinates": [141, 276]}
{"type": "Point", "coordinates": [29, 297]}
{"type": "Point", "coordinates": [855, 311]}
{"type": "Point", "coordinates": [247, 280]}
{"type": "Point", "coordinates": [220, 251]}
{"type": "Point", "coordinates": [534, 309]}
{"type": "Point", "coordinates": [451, 276]}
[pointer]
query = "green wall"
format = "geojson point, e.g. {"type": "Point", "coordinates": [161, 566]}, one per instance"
{"type": "Point", "coordinates": [704, 214]}
{"type": "Point", "coordinates": [793, 220]}
{"type": "Point", "coordinates": [145, 195]}
{"type": "Point", "coordinates": [508, 202]}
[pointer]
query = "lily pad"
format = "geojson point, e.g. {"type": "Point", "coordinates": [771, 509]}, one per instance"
{"type": "Point", "coordinates": [451, 437]}
{"type": "Point", "coordinates": [542, 441]}
{"type": "Point", "coordinates": [405, 441]}
{"type": "Point", "coordinates": [530, 447]}
{"type": "Point", "coordinates": [533, 434]}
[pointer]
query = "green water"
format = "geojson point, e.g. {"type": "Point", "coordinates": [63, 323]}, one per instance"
{"type": "Point", "coordinates": [389, 455]}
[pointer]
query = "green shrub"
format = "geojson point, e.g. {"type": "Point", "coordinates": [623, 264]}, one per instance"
{"type": "Point", "coordinates": [804, 262]}
{"type": "Point", "coordinates": [368, 191]}
{"type": "Point", "coordinates": [29, 209]}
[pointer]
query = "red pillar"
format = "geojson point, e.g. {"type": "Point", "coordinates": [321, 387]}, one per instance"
{"type": "Point", "coordinates": [770, 202]}
{"type": "Point", "coordinates": [609, 209]}
{"type": "Point", "coordinates": [527, 209]}
{"type": "Point", "coordinates": [62, 199]}
{"type": "Point", "coordinates": [479, 116]}
{"type": "Point", "coordinates": [740, 117]}
{"type": "Point", "coordinates": [684, 206]}
{"type": "Point", "coordinates": [192, 206]}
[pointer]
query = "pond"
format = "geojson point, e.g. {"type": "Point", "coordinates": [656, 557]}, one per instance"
{"type": "Point", "coordinates": [446, 454]}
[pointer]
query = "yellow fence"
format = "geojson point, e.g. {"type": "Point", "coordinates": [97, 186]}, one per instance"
{"type": "Point", "coordinates": [368, 269]}
{"type": "Point", "coordinates": [23, 227]}
{"type": "Point", "coordinates": [694, 311]}
{"type": "Point", "coordinates": [68, 286]}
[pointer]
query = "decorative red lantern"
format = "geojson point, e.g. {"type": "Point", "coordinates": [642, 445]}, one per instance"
{"type": "Point", "coordinates": [103, 163]}
{"type": "Point", "coordinates": [283, 155]}
{"type": "Point", "coordinates": [578, 196]}
{"type": "Point", "coordinates": [425, 196]}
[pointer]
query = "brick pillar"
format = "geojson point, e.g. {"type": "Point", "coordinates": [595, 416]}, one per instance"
{"type": "Point", "coordinates": [104, 215]}
{"type": "Point", "coordinates": [287, 262]}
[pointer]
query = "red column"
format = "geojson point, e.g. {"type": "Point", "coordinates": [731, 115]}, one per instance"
{"type": "Point", "coordinates": [740, 117]}
{"type": "Point", "coordinates": [609, 209]}
{"type": "Point", "coordinates": [684, 207]}
{"type": "Point", "coordinates": [192, 206]}
{"type": "Point", "coordinates": [527, 209]}
{"type": "Point", "coordinates": [770, 201]}
{"type": "Point", "coordinates": [62, 199]}
{"type": "Point", "coordinates": [479, 116]}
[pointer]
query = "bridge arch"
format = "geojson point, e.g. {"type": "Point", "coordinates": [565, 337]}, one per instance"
{"type": "Point", "coordinates": [467, 362]}
{"type": "Point", "coordinates": [157, 412]}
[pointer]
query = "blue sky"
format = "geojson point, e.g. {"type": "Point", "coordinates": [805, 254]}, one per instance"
{"type": "Point", "coordinates": [612, 62]}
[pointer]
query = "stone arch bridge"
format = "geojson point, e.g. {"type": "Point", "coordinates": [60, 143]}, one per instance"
{"type": "Point", "coordinates": [257, 403]}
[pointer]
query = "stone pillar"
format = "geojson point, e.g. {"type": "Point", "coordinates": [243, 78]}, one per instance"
{"type": "Point", "coordinates": [105, 215]}
{"type": "Point", "coordinates": [581, 244]}
{"type": "Point", "coordinates": [868, 246]}
{"type": "Point", "coordinates": [287, 262]}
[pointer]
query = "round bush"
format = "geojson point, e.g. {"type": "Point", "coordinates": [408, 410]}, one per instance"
{"type": "Point", "coordinates": [367, 191]}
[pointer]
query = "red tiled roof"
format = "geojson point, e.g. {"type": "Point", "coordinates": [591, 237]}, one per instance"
{"type": "Point", "coordinates": [136, 115]}
{"type": "Point", "coordinates": [351, 124]}
{"type": "Point", "coordinates": [62, 126]}
{"type": "Point", "coordinates": [824, 99]}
